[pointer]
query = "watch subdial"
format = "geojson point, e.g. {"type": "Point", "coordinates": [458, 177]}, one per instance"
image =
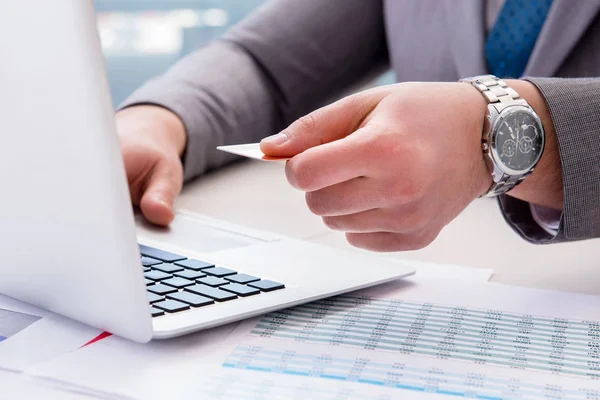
{"type": "Point", "coordinates": [525, 144]}
{"type": "Point", "coordinates": [509, 148]}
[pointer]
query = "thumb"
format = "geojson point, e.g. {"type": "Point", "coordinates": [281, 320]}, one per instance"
{"type": "Point", "coordinates": [163, 187]}
{"type": "Point", "coordinates": [324, 125]}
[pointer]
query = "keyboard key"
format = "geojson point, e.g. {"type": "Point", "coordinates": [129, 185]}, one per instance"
{"type": "Point", "coordinates": [148, 262]}
{"type": "Point", "coordinates": [149, 282]}
{"type": "Point", "coordinates": [153, 298]}
{"type": "Point", "coordinates": [156, 312]}
{"type": "Point", "coordinates": [213, 293]}
{"type": "Point", "coordinates": [178, 282]}
{"type": "Point", "coordinates": [240, 290]}
{"type": "Point", "coordinates": [189, 274]}
{"type": "Point", "coordinates": [266, 285]}
{"type": "Point", "coordinates": [195, 265]}
{"type": "Point", "coordinates": [219, 271]}
{"type": "Point", "coordinates": [192, 299]}
{"type": "Point", "coordinates": [213, 281]}
{"type": "Point", "coordinates": [172, 306]}
{"type": "Point", "coordinates": [161, 289]}
{"type": "Point", "coordinates": [169, 268]}
{"type": "Point", "coordinates": [147, 269]}
{"type": "Point", "coordinates": [158, 254]}
{"type": "Point", "coordinates": [242, 278]}
{"type": "Point", "coordinates": [157, 275]}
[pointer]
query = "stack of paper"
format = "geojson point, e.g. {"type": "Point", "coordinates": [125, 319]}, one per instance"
{"type": "Point", "coordinates": [417, 338]}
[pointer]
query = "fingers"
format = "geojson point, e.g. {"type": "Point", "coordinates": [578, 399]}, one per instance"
{"type": "Point", "coordinates": [324, 125]}
{"type": "Point", "coordinates": [349, 197]}
{"type": "Point", "coordinates": [387, 242]}
{"type": "Point", "coordinates": [162, 188]}
{"type": "Point", "coordinates": [405, 219]}
{"type": "Point", "coordinates": [152, 140]}
{"type": "Point", "coordinates": [335, 162]}
{"type": "Point", "coordinates": [370, 221]}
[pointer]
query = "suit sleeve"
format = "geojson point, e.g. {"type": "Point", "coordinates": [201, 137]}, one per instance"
{"type": "Point", "coordinates": [574, 106]}
{"type": "Point", "coordinates": [287, 59]}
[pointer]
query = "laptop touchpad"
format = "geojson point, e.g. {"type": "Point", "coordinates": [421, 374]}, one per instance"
{"type": "Point", "coordinates": [201, 234]}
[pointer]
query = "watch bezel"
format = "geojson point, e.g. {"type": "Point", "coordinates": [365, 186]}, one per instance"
{"type": "Point", "coordinates": [493, 132]}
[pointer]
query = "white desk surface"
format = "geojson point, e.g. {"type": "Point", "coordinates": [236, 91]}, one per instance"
{"type": "Point", "coordinates": [256, 194]}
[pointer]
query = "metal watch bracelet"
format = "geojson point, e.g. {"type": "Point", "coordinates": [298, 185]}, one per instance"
{"type": "Point", "coordinates": [498, 95]}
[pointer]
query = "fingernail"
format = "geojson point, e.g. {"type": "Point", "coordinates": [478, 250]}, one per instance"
{"type": "Point", "coordinates": [277, 139]}
{"type": "Point", "coordinates": [161, 200]}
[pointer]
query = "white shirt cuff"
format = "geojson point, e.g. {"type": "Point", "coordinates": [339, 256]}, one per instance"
{"type": "Point", "coordinates": [547, 218]}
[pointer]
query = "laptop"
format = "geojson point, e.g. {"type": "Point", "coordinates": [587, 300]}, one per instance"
{"type": "Point", "coordinates": [70, 240]}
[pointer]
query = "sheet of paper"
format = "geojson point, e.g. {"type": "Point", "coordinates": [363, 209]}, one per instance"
{"type": "Point", "coordinates": [29, 335]}
{"type": "Point", "coordinates": [250, 150]}
{"type": "Point", "coordinates": [119, 367]}
{"type": "Point", "coordinates": [410, 340]}
{"type": "Point", "coordinates": [415, 338]}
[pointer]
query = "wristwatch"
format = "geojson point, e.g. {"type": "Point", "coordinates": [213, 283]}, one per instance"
{"type": "Point", "coordinates": [513, 135]}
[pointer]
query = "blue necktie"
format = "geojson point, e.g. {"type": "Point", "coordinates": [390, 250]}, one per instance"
{"type": "Point", "coordinates": [511, 40]}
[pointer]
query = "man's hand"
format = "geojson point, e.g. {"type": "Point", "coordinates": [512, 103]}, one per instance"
{"type": "Point", "coordinates": [390, 166]}
{"type": "Point", "coordinates": [152, 142]}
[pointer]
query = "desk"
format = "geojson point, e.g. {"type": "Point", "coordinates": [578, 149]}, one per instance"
{"type": "Point", "coordinates": [256, 194]}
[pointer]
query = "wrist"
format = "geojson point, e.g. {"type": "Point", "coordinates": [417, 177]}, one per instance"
{"type": "Point", "coordinates": [155, 122]}
{"type": "Point", "coordinates": [544, 186]}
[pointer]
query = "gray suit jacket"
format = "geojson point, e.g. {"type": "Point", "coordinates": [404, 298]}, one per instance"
{"type": "Point", "coordinates": [293, 56]}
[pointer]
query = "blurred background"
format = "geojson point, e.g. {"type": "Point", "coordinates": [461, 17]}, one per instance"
{"type": "Point", "coordinates": [142, 38]}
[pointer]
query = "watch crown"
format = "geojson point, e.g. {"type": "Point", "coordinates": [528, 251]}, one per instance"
{"type": "Point", "coordinates": [485, 147]}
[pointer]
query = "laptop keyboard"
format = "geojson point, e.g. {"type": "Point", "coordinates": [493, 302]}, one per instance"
{"type": "Point", "coordinates": [176, 283]}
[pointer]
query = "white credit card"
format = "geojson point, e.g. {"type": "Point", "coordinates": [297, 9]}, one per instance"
{"type": "Point", "coordinates": [250, 150]}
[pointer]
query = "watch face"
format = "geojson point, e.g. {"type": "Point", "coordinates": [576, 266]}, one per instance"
{"type": "Point", "coordinates": [518, 140]}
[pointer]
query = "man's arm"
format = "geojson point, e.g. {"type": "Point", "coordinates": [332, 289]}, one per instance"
{"type": "Point", "coordinates": [287, 59]}
{"type": "Point", "coordinates": [568, 177]}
